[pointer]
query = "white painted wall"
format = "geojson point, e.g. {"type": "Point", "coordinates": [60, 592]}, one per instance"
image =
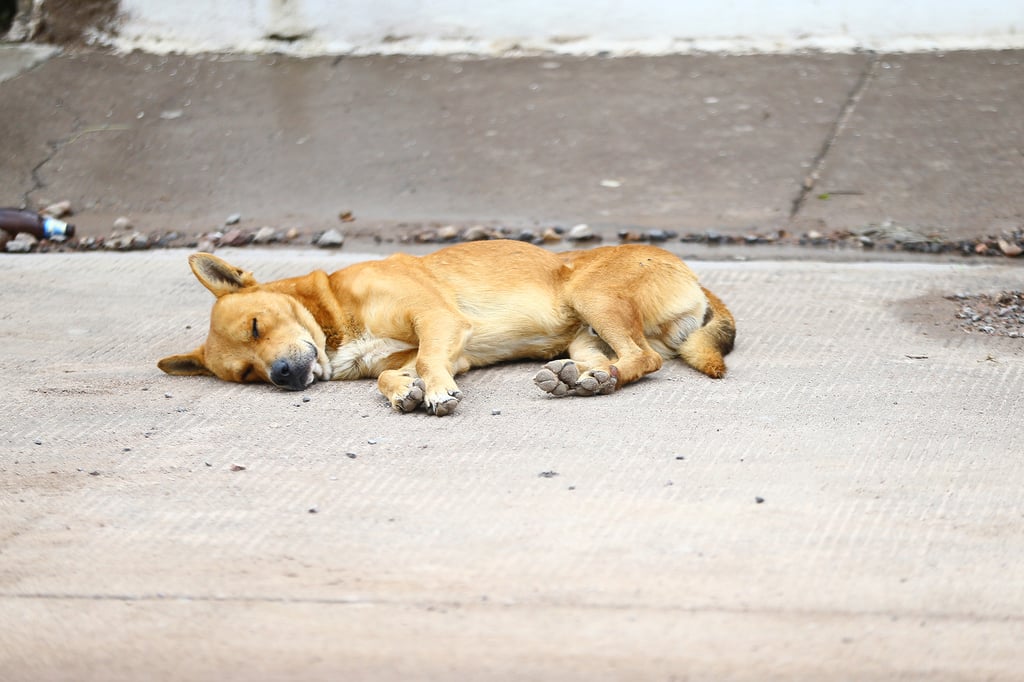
{"type": "Point", "coordinates": [570, 26]}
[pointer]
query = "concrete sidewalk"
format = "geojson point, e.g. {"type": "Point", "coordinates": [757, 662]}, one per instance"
{"type": "Point", "coordinates": [735, 144]}
{"type": "Point", "coordinates": [612, 538]}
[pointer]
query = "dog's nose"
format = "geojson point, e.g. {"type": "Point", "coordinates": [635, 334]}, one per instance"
{"type": "Point", "coordinates": [283, 374]}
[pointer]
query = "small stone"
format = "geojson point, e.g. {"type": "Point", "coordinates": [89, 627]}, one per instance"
{"type": "Point", "coordinates": [265, 235]}
{"type": "Point", "coordinates": [291, 234]}
{"type": "Point", "coordinates": [58, 210]}
{"type": "Point", "coordinates": [171, 114]}
{"type": "Point", "coordinates": [580, 233]}
{"type": "Point", "coordinates": [122, 223]}
{"type": "Point", "coordinates": [658, 236]}
{"type": "Point", "coordinates": [372, 441]}
{"type": "Point", "coordinates": [1011, 249]}
{"type": "Point", "coordinates": [313, 510]}
{"type": "Point", "coordinates": [346, 216]}
{"type": "Point", "coordinates": [233, 219]}
{"type": "Point", "coordinates": [813, 234]}
{"type": "Point", "coordinates": [168, 395]}
{"type": "Point", "coordinates": [138, 241]}
{"type": "Point", "coordinates": [94, 473]}
{"type": "Point", "coordinates": [234, 238]}
{"type": "Point", "coordinates": [38, 441]}
{"type": "Point", "coordinates": [759, 500]}
{"type": "Point", "coordinates": [476, 233]}
{"type": "Point", "coordinates": [981, 248]}
{"type": "Point", "coordinates": [495, 412]}
{"type": "Point", "coordinates": [23, 242]}
{"type": "Point", "coordinates": [547, 474]}
{"type": "Point", "coordinates": [447, 233]}
{"type": "Point", "coordinates": [631, 236]}
{"type": "Point", "coordinates": [237, 467]}
{"type": "Point", "coordinates": [306, 398]}
{"type": "Point", "coordinates": [331, 239]}
{"type": "Point", "coordinates": [351, 455]}
{"type": "Point", "coordinates": [550, 236]}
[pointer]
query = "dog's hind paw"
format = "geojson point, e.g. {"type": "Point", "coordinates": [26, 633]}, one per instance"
{"type": "Point", "coordinates": [562, 378]}
{"type": "Point", "coordinates": [412, 399]}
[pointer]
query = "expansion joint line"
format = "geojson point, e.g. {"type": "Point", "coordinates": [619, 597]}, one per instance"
{"type": "Point", "coordinates": [867, 74]}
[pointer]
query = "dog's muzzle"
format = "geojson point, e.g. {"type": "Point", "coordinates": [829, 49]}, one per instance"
{"type": "Point", "coordinates": [296, 373]}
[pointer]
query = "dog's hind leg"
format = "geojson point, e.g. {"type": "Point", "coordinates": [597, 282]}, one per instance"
{"type": "Point", "coordinates": [619, 324]}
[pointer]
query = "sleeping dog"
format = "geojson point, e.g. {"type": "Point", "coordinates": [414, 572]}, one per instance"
{"type": "Point", "coordinates": [602, 318]}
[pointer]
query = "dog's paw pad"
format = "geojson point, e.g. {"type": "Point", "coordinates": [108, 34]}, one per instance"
{"type": "Point", "coordinates": [445, 406]}
{"type": "Point", "coordinates": [412, 399]}
{"type": "Point", "coordinates": [562, 377]}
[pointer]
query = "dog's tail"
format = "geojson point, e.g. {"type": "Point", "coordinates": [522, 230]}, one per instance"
{"type": "Point", "coordinates": [706, 348]}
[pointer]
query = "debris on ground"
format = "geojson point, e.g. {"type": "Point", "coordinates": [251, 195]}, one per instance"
{"type": "Point", "coordinates": [885, 237]}
{"type": "Point", "coordinates": [1000, 314]}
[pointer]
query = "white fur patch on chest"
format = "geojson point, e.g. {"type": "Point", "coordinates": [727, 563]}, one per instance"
{"type": "Point", "coordinates": [364, 356]}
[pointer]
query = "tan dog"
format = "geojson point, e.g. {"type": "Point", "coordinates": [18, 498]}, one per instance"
{"type": "Point", "coordinates": [415, 323]}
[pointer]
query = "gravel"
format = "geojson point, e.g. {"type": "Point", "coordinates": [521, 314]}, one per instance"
{"type": "Point", "coordinates": [1000, 314]}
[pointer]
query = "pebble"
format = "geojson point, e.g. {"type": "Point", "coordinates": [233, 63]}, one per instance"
{"type": "Point", "coordinates": [331, 239]}
{"type": "Point", "coordinates": [580, 233]}
{"type": "Point", "coordinates": [233, 219]}
{"type": "Point", "coordinates": [122, 223]}
{"type": "Point", "coordinates": [476, 233]}
{"type": "Point", "coordinates": [234, 238]}
{"type": "Point", "coordinates": [265, 235]}
{"type": "Point", "coordinates": [550, 236]}
{"type": "Point", "coordinates": [759, 500]}
{"type": "Point", "coordinates": [1011, 249]}
{"type": "Point", "coordinates": [447, 233]}
{"type": "Point", "coordinates": [23, 242]}
{"type": "Point", "coordinates": [495, 412]}
{"type": "Point", "coordinates": [58, 210]}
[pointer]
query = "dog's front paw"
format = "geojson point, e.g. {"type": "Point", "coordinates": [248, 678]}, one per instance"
{"type": "Point", "coordinates": [562, 378]}
{"type": "Point", "coordinates": [411, 399]}
{"type": "Point", "coordinates": [443, 404]}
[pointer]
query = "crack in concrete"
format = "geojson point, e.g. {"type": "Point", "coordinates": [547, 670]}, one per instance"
{"type": "Point", "coordinates": [55, 147]}
{"type": "Point", "coordinates": [429, 604]}
{"type": "Point", "coordinates": [810, 181]}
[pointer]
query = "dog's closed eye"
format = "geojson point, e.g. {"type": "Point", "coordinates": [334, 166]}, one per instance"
{"type": "Point", "coordinates": [255, 330]}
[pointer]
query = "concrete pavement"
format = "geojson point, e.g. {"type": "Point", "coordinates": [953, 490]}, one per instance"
{"type": "Point", "coordinates": [185, 529]}
{"type": "Point", "coordinates": [731, 143]}
{"type": "Point", "coordinates": [617, 537]}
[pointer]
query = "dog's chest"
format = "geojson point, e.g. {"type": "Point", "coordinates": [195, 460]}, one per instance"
{"type": "Point", "coordinates": [365, 356]}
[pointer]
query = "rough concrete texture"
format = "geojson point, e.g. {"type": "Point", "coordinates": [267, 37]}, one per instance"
{"type": "Point", "coordinates": [685, 142]}
{"type": "Point", "coordinates": [526, 537]}
{"type": "Point", "coordinates": [186, 529]}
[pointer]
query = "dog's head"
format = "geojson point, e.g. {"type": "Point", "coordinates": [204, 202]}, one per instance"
{"type": "Point", "coordinates": [256, 333]}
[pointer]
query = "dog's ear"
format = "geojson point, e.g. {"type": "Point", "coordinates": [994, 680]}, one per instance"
{"type": "Point", "coordinates": [186, 364]}
{"type": "Point", "coordinates": [219, 276]}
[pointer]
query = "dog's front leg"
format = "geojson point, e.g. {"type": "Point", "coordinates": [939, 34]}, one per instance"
{"type": "Point", "coordinates": [402, 387]}
{"type": "Point", "coordinates": [442, 336]}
